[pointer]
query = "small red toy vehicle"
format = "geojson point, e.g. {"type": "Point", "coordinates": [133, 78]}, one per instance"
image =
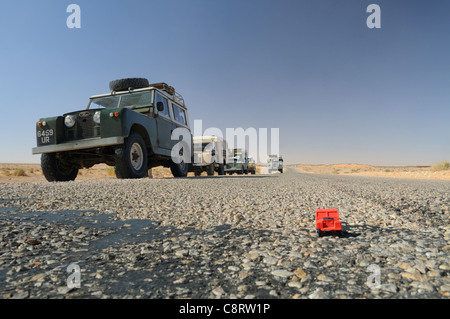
{"type": "Point", "coordinates": [327, 220]}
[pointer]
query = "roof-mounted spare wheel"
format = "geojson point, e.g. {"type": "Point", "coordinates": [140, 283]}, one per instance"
{"type": "Point", "coordinates": [128, 84]}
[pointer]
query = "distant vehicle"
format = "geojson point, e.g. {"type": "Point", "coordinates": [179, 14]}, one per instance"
{"type": "Point", "coordinates": [237, 162]}
{"type": "Point", "coordinates": [251, 165]}
{"type": "Point", "coordinates": [129, 128]}
{"type": "Point", "coordinates": [209, 155]}
{"type": "Point", "coordinates": [327, 221]}
{"type": "Point", "coordinates": [275, 163]}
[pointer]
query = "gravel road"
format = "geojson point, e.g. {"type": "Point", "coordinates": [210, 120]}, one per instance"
{"type": "Point", "coordinates": [225, 237]}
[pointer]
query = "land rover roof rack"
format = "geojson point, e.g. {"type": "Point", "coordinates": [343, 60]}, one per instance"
{"type": "Point", "coordinates": [170, 90]}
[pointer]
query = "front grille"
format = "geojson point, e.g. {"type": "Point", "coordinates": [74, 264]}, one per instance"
{"type": "Point", "coordinates": [85, 127]}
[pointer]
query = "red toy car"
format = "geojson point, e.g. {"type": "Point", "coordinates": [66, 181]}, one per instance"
{"type": "Point", "coordinates": [327, 220]}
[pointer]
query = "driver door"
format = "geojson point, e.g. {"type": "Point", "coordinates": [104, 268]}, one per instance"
{"type": "Point", "coordinates": [164, 124]}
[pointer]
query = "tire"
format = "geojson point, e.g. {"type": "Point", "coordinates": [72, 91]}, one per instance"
{"type": "Point", "coordinates": [221, 169]}
{"type": "Point", "coordinates": [131, 158]}
{"type": "Point", "coordinates": [179, 170]}
{"type": "Point", "coordinates": [210, 170]}
{"type": "Point", "coordinates": [55, 169]}
{"type": "Point", "coordinates": [130, 83]}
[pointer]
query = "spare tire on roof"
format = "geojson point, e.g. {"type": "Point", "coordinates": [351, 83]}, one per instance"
{"type": "Point", "coordinates": [127, 84]}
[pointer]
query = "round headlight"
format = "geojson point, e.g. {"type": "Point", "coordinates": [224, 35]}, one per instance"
{"type": "Point", "coordinates": [97, 117]}
{"type": "Point", "coordinates": [69, 121]}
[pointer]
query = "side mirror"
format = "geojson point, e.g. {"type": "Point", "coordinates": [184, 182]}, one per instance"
{"type": "Point", "coordinates": [160, 106]}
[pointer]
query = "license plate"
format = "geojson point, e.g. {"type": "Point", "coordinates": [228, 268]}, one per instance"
{"type": "Point", "coordinates": [45, 136]}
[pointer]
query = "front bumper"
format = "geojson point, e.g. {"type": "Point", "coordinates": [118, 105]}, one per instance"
{"type": "Point", "coordinates": [79, 145]}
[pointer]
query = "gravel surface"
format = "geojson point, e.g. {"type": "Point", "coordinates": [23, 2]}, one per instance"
{"type": "Point", "coordinates": [225, 237]}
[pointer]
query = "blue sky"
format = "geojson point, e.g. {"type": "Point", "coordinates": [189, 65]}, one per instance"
{"type": "Point", "coordinates": [338, 91]}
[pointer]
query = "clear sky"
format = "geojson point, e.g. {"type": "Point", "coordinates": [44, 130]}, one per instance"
{"type": "Point", "coordinates": [338, 91]}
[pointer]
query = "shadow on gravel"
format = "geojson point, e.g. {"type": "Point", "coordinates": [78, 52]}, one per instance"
{"type": "Point", "coordinates": [352, 231]}
{"type": "Point", "coordinates": [113, 263]}
{"type": "Point", "coordinates": [111, 232]}
{"type": "Point", "coordinates": [123, 231]}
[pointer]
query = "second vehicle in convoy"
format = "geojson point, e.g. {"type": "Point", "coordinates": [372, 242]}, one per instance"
{"type": "Point", "coordinates": [210, 153]}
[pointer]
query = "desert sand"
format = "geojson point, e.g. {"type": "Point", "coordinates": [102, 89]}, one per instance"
{"type": "Point", "coordinates": [18, 173]}
{"type": "Point", "coordinates": [418, 172]}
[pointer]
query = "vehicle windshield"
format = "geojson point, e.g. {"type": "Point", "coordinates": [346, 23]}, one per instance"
{"type": "Point", "coordinates": [132, 100]}
{"type": "Point", "coordinates": [207, 146]}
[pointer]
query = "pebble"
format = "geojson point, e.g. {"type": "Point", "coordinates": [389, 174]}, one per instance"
{"type": "Point", "coordinates": [282, 273]}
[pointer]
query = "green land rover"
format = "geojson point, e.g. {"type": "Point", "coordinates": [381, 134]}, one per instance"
{"type": "Point", "coordinates": [130, 128]}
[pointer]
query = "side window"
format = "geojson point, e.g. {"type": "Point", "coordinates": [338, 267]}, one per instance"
{"type": "Point", "coordinates": [179, 115]}
{"type": "Point", "coordinates": [165, 112]}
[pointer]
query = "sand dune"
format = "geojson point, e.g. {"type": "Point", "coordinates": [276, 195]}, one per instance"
{"type": "Point", "coordinates": [419, 172]}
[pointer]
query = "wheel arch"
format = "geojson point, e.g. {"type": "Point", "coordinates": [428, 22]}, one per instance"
{"type": "Point", "coordinates": [139, 129]}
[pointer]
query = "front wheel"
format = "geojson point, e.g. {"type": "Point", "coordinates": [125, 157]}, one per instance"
{"type": "Point", "coordinates": [131, 158]}
{"type": "Point", "coordinates": [57, 169]}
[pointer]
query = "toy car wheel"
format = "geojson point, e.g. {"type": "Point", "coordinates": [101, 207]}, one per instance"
{"type": "Point", "coordinates": [318, 232]}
